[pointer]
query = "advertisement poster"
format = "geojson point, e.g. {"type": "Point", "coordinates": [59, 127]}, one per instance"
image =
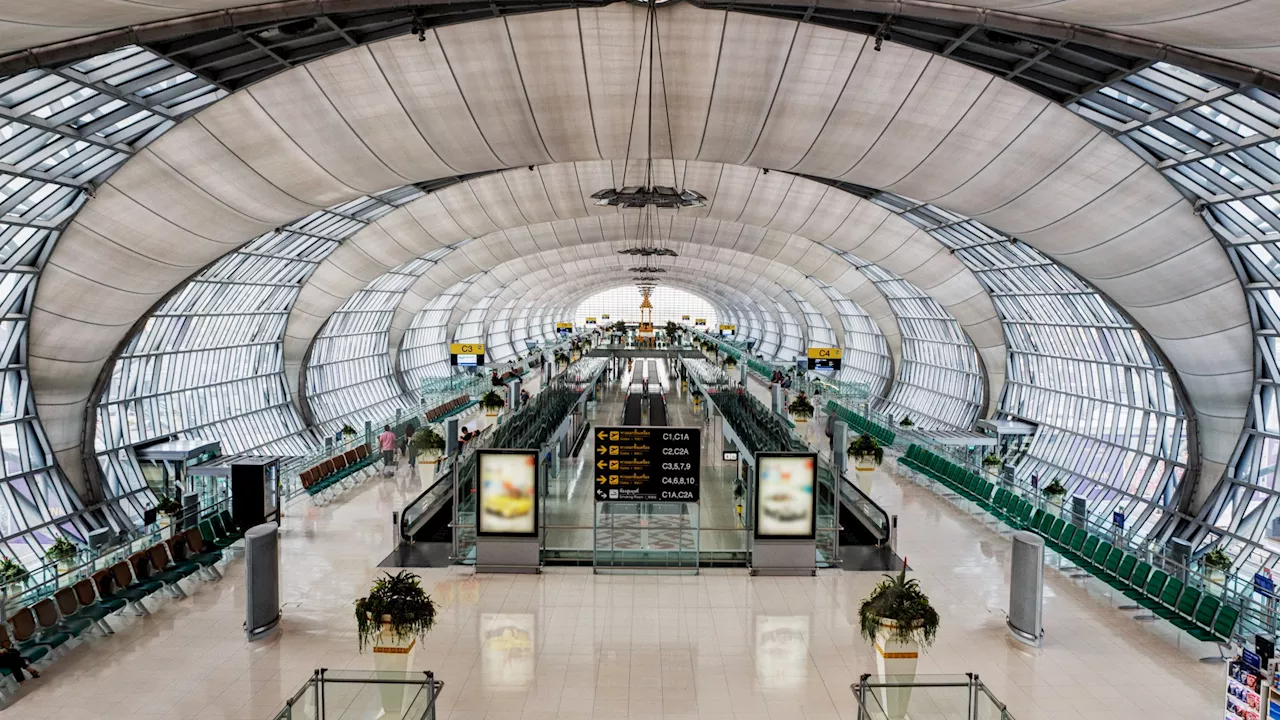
{"type": "Point", "coordinates": [785, 506]}
{"type": "Point", "coordinates": [1243, 687]}
{"type": "Point", "coordinates": [508, 483]}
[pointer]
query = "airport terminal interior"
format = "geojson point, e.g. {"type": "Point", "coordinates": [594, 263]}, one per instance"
{"type": "Point", "coordinates": [661, 359]}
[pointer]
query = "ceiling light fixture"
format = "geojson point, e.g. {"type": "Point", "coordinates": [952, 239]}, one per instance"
{"type": "Point", "coordinates": [648, 194]}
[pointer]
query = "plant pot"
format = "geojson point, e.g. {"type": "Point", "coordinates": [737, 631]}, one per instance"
{"type": "Point", "coordinates": [490, 412]}
{"type": "Point", "coordinates": [164, 521]}
{"type": "Point", "coordinates": [66, 567]}
{"type": "Point", "coordinates": [427, 467]}
{"type": "Point", "coordinates": [864, 463]}
{"type": "Point", "coordinates": [392, 654]}
{"type": "Point", "coordinates": [1054, 500]}
{"type": "Point", "coordinates": [895, 661]}
{"type": "Point", "coordinates": [1219, 578]}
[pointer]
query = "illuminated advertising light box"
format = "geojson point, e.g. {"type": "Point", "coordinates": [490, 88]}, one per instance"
{"type": "Point", "coordinates": [786, 501]}
{"type": "Point", "coordinates": [508, 493]}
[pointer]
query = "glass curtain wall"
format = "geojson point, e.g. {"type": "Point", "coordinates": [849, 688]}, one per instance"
{"type": "Point", "coordinates": [62, 131]}
{"type": "Point", "coordinates": [866, 353]}
{"type": "Point", "coordinates": [209, 362]}
{"type": "Point", "coordinates": [424, 351]}
{"type": "Point", "coordinates": [1111, 427]}
{"type": "Point", "coordinates": [939, 383]}
{"type": "Point", "coordinates": [623, 303]}
{"type": "Point", "coordinates": [349, 374]}
{"type": "Point", "coordinates": [1217, 143]}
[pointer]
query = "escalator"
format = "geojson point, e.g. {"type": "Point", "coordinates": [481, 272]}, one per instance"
{"type": "Point", "coordinates": [857, 521]}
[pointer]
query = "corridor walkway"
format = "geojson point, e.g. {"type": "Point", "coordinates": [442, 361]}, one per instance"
{"type": "Point", "coordinates": [719, 645]}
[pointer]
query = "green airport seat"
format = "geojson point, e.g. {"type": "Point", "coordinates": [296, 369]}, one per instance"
{"type": "Point", "coordinates": [1169, 597]}
{"type": "Point", "coordinates": [1119, 577]}
{"type": "Point", "coordinates": [1149, 595]}
{"type": "Point", "coordinates": [1138, 580]}
{"type": "Point", "coordinates": [1202, 617]}
{"type": "Point", "coordinates": [1184, 608]}
{"type": "Point", "coordinates": [1224, 625]}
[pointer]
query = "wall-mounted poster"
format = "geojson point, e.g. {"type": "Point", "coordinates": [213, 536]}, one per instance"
{"type": "Point", "coordinates": [785, 501]}
{"type": "Point", "coordinates": [508, 492]}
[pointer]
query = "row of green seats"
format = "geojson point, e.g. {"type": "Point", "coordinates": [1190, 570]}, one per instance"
{"type": "Point", "coordinates": [1204, 617]}
{"type": "Point", "coordinates": [860, 424]}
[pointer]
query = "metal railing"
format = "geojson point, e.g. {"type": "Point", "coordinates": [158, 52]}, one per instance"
{"type": "Point", "coordinates": [335, 694]}
{"type": "Point", "coordinates": [938, 697]}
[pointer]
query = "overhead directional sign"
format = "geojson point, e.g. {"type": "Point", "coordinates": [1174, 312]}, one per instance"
{"type": "Point", "coordinates": [648, 464]}
{"type": "Point", "coordinates": [825, 357]}
{"type": "Point", "coordinates": [467, 354]}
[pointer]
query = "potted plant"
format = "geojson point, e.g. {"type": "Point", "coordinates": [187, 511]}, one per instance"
{"type": "Point", "coordinates": [13, 572]}
{"type": "Point", "coordinates": [63, 552]}
{"type": "Point", "coordinates": [1216, 563]}
{"type": "Point", "coordinates": [898, 619]}
{"type": "Point", "coordinates": [348, 432]}
{"type": "Point", "coordinates": [991, 462]}
{"type": "Point", "coordinates": [800, 408]}
{"type": "Point", "coordinates": [866, 452]}
{"type": "Point", "coordinates": [562, 359]}
{"type": "Point", "coordinates": [492, 402]}
{"type": "Point", "coordinates": [907, 421]}
{"type": "Point", "coordinates": [1054, 492]}
{"type": "Point", "coordinates": [395, 614]}
{"type": "Point", "coordinates": [168, 509]}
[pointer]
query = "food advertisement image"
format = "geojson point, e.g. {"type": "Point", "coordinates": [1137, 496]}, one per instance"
{"type": "Point", "coordinates": [784, 501]}
{"type": "Point", "coordinates": [507, 493]}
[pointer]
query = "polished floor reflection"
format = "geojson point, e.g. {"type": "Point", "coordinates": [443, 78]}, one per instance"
{"type": "Point", "coordinates": [571, 645]}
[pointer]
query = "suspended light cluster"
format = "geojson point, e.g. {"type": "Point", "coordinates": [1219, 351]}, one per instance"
{"type": "Point", "coordinates": [647, 269]}
{"type": "Point", "coordinates": [649, 252]}
{"type": "Point", "coordinates": [658, 196]}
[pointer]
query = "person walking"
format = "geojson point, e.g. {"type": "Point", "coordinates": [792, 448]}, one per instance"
{"type": "Point", "coordinates": [387, 443]}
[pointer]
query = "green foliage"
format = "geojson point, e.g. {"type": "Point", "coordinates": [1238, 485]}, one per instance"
{"type": "Point", "coordinates": [991, 460]}
{"type": "Point", "coordinates": [166, 505]}
{"type": "Point", "coordinates": [62, 550]}
{"type": "Point", "coordinates": [801, 408]}
{"type": "Point", "coordinates": [866, 446]}
{"type": "Point", "coordinates": [427, 440]}
{"type": "Point", "coordinates": [907, 421]}
{"type": "Point", "coordinates": [348, 430]}
{"type": "Point", "coordinates": [492, 401]}
{"type": "Point", "coordinates": [901, 600]}
{"type": "Point", "coordinates": [1216, 559]}
{"type": "Point", "coordinates": [408, 608]}
{"type": "Point", "coordinates": [13, 572]}
{"type": "Point", "coordinates": [1054, 488]}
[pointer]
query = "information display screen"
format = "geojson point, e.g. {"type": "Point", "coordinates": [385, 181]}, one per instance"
{"type": "Point", "coordinates": [785, 499]}
{"type": "Point", "coordinates": [648, 464]}
{"type": "Point", "coordinates": [508, 492]}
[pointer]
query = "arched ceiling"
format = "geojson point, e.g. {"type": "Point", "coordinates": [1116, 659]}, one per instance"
{"type": "Point", "coordinates": [741, 90]}
{"type": "Point", "coordinates": [1241, 31]}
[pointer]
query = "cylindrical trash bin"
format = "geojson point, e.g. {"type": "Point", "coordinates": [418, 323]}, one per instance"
{"type": "Point", "coordinates": [262, 580]}
{"type": "Point", "coordinates": [1026, 588]}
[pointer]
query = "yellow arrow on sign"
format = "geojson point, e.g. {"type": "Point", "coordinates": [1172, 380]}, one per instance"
{"type": "Point", "coordinates": [600, 435]}
{"type": "Point", "coordinates": [600, 464]}
{"type": "Point", "coordinates": [601, 449]}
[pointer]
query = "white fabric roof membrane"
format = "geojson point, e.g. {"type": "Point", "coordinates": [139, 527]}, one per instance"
{"type": "Point", "coordinates": [742, 89]}
{"type": "Point", "coordinates": [561, 277]}
{"type": "Point", "coordinates": [773, 215]}
{"type": "Point", "coordinates": [1239, 30]}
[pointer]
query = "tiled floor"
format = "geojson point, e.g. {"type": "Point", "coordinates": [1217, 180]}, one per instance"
{"type": "Point", "coordinates": [718, 645]}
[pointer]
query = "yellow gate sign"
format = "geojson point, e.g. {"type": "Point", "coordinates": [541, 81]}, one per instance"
{"type": "Point", "coordinates": [591, 321]}
{"type": "Point", "coordinates": [466, 348]}
{"type": "Point", "coordinates": [826, 358]}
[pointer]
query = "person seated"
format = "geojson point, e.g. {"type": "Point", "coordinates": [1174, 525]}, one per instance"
{"type": "Point", "coordinates": [13, 661]}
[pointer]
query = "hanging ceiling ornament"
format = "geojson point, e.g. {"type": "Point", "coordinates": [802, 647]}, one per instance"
{"type": "Point", "coordinates": [647, 193]}
{"type": "Point", "coordinates": [647, 269]}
